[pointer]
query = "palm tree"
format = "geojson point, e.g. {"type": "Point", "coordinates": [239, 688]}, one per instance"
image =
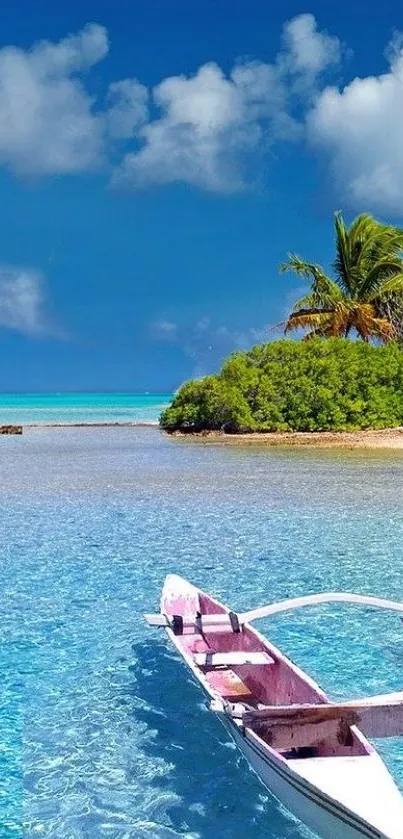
{"type": "Point", "coordinates": [366, 294]}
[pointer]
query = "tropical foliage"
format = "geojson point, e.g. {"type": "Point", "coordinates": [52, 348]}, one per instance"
{"type": "Point", "coordinates": [366, 295]}
{"type": "Point", "coordinates": [296, 386]}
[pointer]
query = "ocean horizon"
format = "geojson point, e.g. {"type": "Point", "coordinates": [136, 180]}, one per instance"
{"type": "Point", "coordinates": [82, 408]}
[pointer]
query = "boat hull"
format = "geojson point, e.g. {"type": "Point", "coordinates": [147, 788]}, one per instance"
{"type": "Point", "coordinates": [321, 816]}
{"type": "Point", "coordinates": [328, 794]}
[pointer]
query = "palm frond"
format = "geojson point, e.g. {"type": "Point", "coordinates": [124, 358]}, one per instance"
{"type": "Point", "coordinates": [308, 318]}
{"type": "Point", "coordinates": [368, 324]}
{"type": "Point", "coordinates": [324, 291]}
{"type": "Point", "coordinates": [323, 295]}
{"type": "Point", "coordinates": [391, 285]}
{"type": "Point", "coordinates": [381, 273]}
{"type": "Point", "coordinates": [305, 269]}
{"type": "Point", "coordinates": [341, 318]}
{"type": "Point", "coordinates": [367, 292]}
{"type": "Point", "coordinates": [341, 264]}
{"type": "Point", "coordinates": [385, 330]}
{"type": "Point", "coordinates": [382, 244]}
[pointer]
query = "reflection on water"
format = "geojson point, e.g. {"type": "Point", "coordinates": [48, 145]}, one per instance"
{"type": "Point", "coordinates": [102, 732]}
{"type": "Point", "coordinates": [215, 793]}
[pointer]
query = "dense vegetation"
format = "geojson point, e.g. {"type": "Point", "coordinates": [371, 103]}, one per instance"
{"type": "Point", "coordinates": [287, 385]}
{"type": "Point", "coordinates": [365, 296]}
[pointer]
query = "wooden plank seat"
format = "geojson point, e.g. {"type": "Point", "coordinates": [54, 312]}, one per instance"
{"type": "Point", "coordinates": [377, 716]}
{"type": "Point", "coordinates": [297, 726]}
{"type": "Point", "coordinates": [234, 658]}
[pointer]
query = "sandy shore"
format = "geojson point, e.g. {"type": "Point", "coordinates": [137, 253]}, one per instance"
{"type": "Point", "coordinates": [387, 438]}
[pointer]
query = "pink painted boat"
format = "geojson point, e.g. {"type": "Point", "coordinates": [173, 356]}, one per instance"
{"type": "Point", "coordinates": [311, 754]}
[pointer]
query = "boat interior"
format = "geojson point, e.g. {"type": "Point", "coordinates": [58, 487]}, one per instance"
{"type": "Point", "coordinates": [241, 667]}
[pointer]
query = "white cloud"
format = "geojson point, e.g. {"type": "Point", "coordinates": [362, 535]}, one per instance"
{"type": "Point", "coordinates": [361, 130]}
{"type": "Point", "coordinates": [211, 122]}
{"type": "Point", "coordinates": [49, 123]}
{"type": "Point", "coordinates": [127, 108]}
{"type": "Point", "coordinates": [209, 125]}
{"type": "Point", "coordinates": [308, 50]}
{"type": "Point", "coordinates": [74, 53]}
{"type": "Point", "coordinates": [22, 301]}
{"type": "Point", "coordinates": [211, 129]}
{"type": "Point", "coordinates": [163, 330]}
{"type": "Point", "coordinates": [205, 124]}
{"type": "Point", "coordinates": [46, 120]}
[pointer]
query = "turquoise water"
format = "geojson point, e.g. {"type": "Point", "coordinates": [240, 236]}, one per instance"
{"type": "Point", "coordinates": [58, 408]}
{"type": "Point", "coordinates": [102, 732]}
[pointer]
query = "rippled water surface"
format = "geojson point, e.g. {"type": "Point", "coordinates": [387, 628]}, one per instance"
{"type": "Point", "coordinates": [102, 733]}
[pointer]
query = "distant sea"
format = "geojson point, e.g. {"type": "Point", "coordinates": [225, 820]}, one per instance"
{"type": "Point", "coordinates": [78, 408]}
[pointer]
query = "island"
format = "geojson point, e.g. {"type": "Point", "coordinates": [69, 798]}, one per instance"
{"type": "Point", "coordinates": [297, 391]}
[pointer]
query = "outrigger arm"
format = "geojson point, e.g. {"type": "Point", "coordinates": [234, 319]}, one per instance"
{"type": "Point", "coordinates": [231, 622]}
{"type": "Point", "coordinates": [315, 600]}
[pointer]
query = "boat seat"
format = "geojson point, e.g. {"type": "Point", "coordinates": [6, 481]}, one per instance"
{"type": "Point", "coordinates": [233, 658]}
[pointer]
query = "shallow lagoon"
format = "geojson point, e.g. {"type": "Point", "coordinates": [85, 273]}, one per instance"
{"type": "Point", "coordinates": [102, 732]}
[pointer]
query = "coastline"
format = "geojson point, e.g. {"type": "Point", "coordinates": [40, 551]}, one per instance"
{"type": "Point", "coordinates": [387, 438]}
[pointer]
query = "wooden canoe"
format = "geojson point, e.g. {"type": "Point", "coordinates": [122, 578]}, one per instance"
{"type": "Point", "coordinates": [311, 754]}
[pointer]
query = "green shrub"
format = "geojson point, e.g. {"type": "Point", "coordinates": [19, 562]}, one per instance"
{"type": "Point", "coordinates": [208, 403]}
{"type": "Point", "coordinates": [317, 385]}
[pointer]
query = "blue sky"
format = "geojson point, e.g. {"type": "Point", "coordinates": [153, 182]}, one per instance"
{"type": "Point", "coordinates": [157, 162]}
